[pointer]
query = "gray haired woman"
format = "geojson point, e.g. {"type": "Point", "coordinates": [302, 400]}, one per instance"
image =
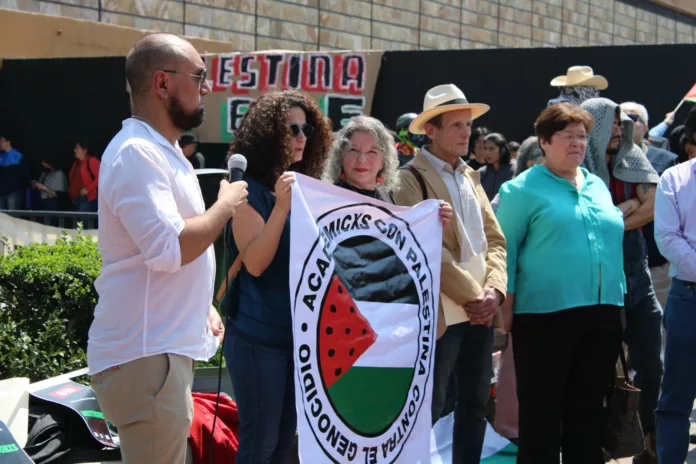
{"type": "Point", "coordinates": [363, 159]}
{"type": "Point", "coordinates": [530, 154]}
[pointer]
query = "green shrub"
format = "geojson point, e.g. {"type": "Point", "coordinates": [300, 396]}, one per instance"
{"type": "Point", "coordinates": [47, 301]}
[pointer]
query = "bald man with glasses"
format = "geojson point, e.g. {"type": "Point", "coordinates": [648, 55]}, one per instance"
{"type": "Point", "coordinates": [154, 317]}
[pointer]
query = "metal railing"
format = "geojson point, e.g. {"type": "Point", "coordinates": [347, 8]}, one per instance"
{"type": "Point", "coordinates": [62, 219]}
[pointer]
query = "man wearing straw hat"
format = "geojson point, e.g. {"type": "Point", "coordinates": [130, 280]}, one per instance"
{"type": "Point", "coordinates": [578, 85]}
{"type": "Point", "coordinates": [474, 263]}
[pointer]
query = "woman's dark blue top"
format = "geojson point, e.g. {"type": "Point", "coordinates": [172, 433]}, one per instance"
{"type": "Point", "coordinates": [262, 315]}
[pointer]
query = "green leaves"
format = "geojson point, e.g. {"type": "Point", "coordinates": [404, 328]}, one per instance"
{"type": "Point", "coordinates": [47, 301]}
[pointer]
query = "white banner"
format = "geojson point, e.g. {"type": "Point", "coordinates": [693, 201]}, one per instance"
{"type": "Point", "coordinates": [364, 287]}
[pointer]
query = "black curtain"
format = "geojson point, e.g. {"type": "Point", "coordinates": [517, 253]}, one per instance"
{"type": "Point", "coordinates": [50, 104]}
{"type": "Point", "coordinates": [515, 82]}
{"type": "Point", "coordinates": [47, 105]}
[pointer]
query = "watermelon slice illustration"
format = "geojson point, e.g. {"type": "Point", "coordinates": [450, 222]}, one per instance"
{"type": "Point", "coordinates": [366, 355]}
{"type": "Point", "coordinates": [344, 334]}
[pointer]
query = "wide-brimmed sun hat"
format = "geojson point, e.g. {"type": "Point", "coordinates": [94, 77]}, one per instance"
{"type": "Point", "coordinates": [580, 75]}
{"type": "Point", "coordinates": [443, 99]}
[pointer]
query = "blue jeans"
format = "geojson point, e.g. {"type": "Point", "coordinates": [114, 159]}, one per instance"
{"type": "Point", "coordinates": [465, 352]}
{"type": "Point", "coordinates": [643, 337]}
{"type": "Point", "coordinates": [264, 388]}
{"type": "Point", "coordinates": [84, 205]}
{"type": "Point", "coordinates": [50, 204]}
{"type": "Point", "coordinates": [679, 382]}
{"type": "Point", "coordinates": [12, 200]}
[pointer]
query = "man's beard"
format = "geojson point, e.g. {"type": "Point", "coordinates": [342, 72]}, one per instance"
{"type": "Point", "coordinates": [181, 119]}
{"type": "Point", "coordinates": [612, 151]}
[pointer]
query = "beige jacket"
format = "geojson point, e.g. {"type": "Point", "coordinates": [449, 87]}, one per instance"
{"type": "Point", "coordinates": [455, 282]}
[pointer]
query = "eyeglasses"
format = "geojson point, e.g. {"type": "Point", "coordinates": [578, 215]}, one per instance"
{"type": "Point", "coordinates": [372, 154]}
{"type": "Point", "coordinates": [306, 129]}
{"type": "Point", "coordinates": [202, 77]}
{"type": "Point", "coordinates": [635, 118]}
{"type": "Point", "coordinates": [570, 138]}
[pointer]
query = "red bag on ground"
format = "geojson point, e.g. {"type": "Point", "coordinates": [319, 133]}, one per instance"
{"type": "Point", "coordinates": [225, 437]}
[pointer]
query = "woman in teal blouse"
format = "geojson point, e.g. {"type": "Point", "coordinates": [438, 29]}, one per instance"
{"type": "Point", "coordinates": [565, 290]}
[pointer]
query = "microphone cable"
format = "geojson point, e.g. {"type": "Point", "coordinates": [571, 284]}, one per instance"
{"type": "Point", "coordinates": [225, 264]}
{"type": "Point", "coordinates": [235, 165]}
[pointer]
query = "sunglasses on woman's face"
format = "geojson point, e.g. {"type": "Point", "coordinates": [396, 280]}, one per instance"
{"type": "Point", "coordinates": [306, 129]}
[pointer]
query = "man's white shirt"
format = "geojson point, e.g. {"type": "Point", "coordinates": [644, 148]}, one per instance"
{"type": "Point", "coordinates": [148, 302]}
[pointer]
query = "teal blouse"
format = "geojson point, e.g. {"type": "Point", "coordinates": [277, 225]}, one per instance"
{"type": "Point", "coordinates": [564, 245]}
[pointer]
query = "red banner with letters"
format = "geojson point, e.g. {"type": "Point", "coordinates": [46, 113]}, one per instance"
{"type": "Point", "coordinates": [342, 83]}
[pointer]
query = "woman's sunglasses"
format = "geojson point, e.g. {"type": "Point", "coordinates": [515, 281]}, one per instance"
{"type": "Point", "coordinates": [306, 129]}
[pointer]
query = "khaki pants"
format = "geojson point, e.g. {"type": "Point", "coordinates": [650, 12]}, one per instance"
{"type": "Point", "coordinates": [149, 401]}
{"type": "Point", "coordinates": [661, 282]}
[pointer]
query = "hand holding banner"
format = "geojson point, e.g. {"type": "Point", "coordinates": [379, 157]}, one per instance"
{"type": "Point", "coordinates": [364, 287]}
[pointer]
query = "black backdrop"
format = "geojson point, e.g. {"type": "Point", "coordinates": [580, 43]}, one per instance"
{"type": "Point", "coordinates": [49, 104]}
{"type": "Point", "coordinates": [515, 82]}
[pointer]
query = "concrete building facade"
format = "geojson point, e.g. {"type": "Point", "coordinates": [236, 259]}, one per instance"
{"type": "Point", "coordinates": [391, 24]}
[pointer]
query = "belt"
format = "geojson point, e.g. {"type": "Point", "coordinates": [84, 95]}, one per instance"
{"type": "Point", "coordinates": [687, 283]}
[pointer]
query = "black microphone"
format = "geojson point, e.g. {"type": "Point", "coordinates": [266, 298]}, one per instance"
{"type": "Point", "coordinates": [237, 164]}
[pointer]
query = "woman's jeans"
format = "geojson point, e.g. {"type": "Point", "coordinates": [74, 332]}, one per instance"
{"type": "Point", "coordinates": [264, 389]}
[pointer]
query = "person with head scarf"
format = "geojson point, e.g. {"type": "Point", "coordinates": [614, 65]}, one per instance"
{"type": "Point", "coordinates": [579, 84]}
{"type": "Point", "coordinates": [624, 168]}
{"type": "Point", "coordinates": [660, 160]}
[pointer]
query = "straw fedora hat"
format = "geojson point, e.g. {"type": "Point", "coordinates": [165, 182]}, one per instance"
{"type": "Point", "coordinates": [580, 75]}
{"type": "Point", "coordinates": [443, 99]}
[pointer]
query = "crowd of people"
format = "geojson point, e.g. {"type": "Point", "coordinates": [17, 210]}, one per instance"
{"type": "Point", "coordinates": [49, 189]}
{"type": "Point", "coordinates": [547, 241]}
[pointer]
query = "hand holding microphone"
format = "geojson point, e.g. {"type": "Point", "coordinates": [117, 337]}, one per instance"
{"type": "Point", "coordinates": [234, 193]}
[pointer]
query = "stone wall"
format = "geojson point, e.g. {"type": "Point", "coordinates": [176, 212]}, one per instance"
{"type": "Point", "coordinates": [388, 24]}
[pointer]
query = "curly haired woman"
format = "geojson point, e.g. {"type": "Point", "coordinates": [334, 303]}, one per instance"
{"type": "Point", "coordinates": [281, 132]}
